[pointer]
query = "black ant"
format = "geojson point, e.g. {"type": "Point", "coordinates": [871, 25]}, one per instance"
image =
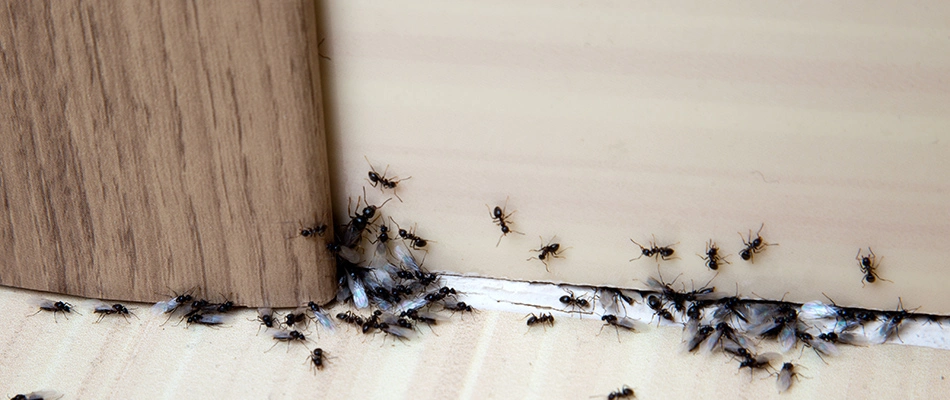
{"type": "Point", "coordinates": [868, 266]}
{"type": "Point", "coordinates": [713, 258]}
{"type": "Point", "coordinates": [350, 318]}
{"type": "Point", "coordinates": [295, 318]}
{"type": "Point", "coordinates": [359, 221]}
{"type": "Point", "coordinates": [265, 316]}
{"type": "Point", "coordinates": [383, 236]}
{"type": "Point", "coordinates": [623, 393]}
{"type": "Point", "coordinates": [318, 230]}
{"type": "Point", "coordinates": [574, 301]}
{"type": "Point", "coordinates": [755, 362]}
{"type": "Point", "coordinates": [460, 307]}
{"type": "Point", "coordinates": [288, 337]}
{"type": "Point", "coordinates": [657, 252]}
{"type": "Point", "coordinates": [372, 322]}
{"type": "Point", "coordinates": [381, 180]}
{"type": "Point", "coordinates": [201, 319]}
{"type": "Point", "coordinates": [540, 319]}
{"type": "Point", "coordinates": [414, 315]}
{"type": "Point", "coordinates": [625, 323]}
{"type": "Point", "coordinates": [892, 321]}
{"type": "Point", "coordinates": [547, 252]}
{"type": "Point", "coordinates": [784, 377]}
{"type": "Point", "coordinates": [55, 307]}
{"type": "Point", "coordinates": [618, 298]}
{"type": "Point", "coordinates": [117, 309]}
{"type": "Point", "coordinates": [316, 358]}
{"type": "Point", "coordinates": [753, 246]}
{"type": "Point", "coordinates": [415, 242]}
{"type": "Point", "coordinates": [501, 219]}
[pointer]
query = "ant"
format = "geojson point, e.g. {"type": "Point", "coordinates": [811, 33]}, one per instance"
{"type": "Point", "coordinates": [265, 316]}
{"type": "Point", "coordinates": [547, 252]}
{"type": "Point", "coordinates": [665, 252]}
{"type": "Point", "coordinates": [415, 242]}
{"type": "Point", "coordinates": [383, 236]}
{"type": "Point", "coordinates": [756, 362]}
{"type": "Point", "coordinates": [105, 309]}
{"type": "Point", "coordinates": [372, 322]}
{"type": "Point", "coordinates": [284, 336]}
{"type": "Point", "coordinates": [868, 266]}
{"type": "Point", "coordinates": [202, 319]}
{"type": "Point", "coordinates": [359, 221]}
{"type": "Point", "coordinates": [892, 321]}
{"type": "Point", "coordinates": [618, 298]}
{"type": "Point", "coordinates": [574, 301]}
{"type": "Point", "coordinates": [55, 307]}
{"type": "Point", "coordinates": [540, 319]}
{"type": "Point", "coordinates": [414, 315]}
{"type": "Point", "coordinates": [350, 318]}
{"type": "Point", "coordinates": [623, 393]}
{"type": "Point", "coordinates": [784, 377]}
{"type": "Point", "coordinates": [460, 307]}
{"type": "Point", "coordinates": [618, 323]}
{"type": "Point", "coordinates": [318, 230]}
{"type": "Point", "coordinates": [713, 258]}
{"type": "Point", "coordinates": [501, 219]}
{"type": "Point", "coordinates": [316, 358]}
{"type": "Point", "coordinates": [291, 318]}
{"type": "Point", "coordinates": [753, 246]}
{"type": "Point", "coordinates": [381, 180]}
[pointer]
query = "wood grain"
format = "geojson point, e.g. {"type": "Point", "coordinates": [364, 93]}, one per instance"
{"type": "Point", "coordinates": [151, 146]}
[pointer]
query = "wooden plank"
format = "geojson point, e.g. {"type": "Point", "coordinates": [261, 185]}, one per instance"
{"type": "Point", "coordinates": [152, 146]}
{"type": "Point", "coordinates": [490, 356]}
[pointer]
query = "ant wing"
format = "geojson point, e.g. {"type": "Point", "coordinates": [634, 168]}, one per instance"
{"type": "Point", "coordinates": [784, 380]}
{"type": "Point", "coordinates": [165, 306]}
{"type": "Point", "coordinates": [656, 285]}
{"type": "Point", "coordinates": [215, 319]}
{"type": "Point", "coordinates": [360, 299]}
{"type": "Point", "coordinates": [631, 324]}
{"type": "Point", "coordinates": [818, 310]}
{"type": "Point", "coordinates": [101, 307]}
{"type": "Point", "coordinates": [324, 320]}
{"type": "Point", "coordinates": [44, 395]}
{"type": "Point", "coordinates": [402, 253]}
{"type": "Point", "coordinates": [399, 331]}
{"type": "Point", "coordinates": [823, 347]}
{"type": "Point", "coordinates": [710, 344]}
{"type": "Point", "coordinates": [787, 338]}
{"type": "Point", "coordinates": [283, 335]}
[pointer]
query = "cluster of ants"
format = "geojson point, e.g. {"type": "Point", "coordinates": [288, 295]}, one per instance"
{"type": "Point", "coordinates": [716, 322]}
{"type": "Point", "coordinates": [380, 272]}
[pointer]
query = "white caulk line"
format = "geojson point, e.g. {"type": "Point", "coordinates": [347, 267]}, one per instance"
{"type": "Point", "coordinates": [533, 297]}
{"type": "Point", "coordinates": [481, 350]}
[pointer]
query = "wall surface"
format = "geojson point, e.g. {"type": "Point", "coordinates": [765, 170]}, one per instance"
{"type": "Point", "coordinates": [691, 121]}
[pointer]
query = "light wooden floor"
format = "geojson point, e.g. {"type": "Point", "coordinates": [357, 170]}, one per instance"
{"type": "Point", "coordinates": [490, 355]}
